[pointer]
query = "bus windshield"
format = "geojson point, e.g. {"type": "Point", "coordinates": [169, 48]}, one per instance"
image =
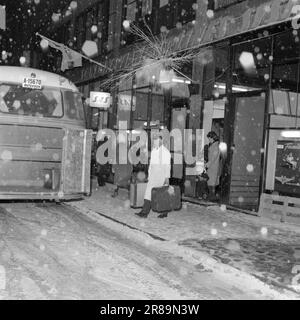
{"type": "Point", "coordinates": [47, 102]}
{"type": "Point", "coordinates": [14, 99]}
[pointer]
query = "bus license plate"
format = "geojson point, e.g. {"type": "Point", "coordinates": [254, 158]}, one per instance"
{"type": "Point", "coordinates": [32, 83]}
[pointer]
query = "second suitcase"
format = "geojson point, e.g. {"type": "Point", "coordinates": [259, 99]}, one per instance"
{"type": "Point", "coordinates": [166, 198]}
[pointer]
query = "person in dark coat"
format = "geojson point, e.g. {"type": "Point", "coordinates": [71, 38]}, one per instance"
{"type": "Point", "coordinates": [122, 172]}
{"type": "Point", "coordinates": [213, 164]}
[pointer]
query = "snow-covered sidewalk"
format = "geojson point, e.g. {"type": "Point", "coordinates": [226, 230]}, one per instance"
{"type": "Point", "coordinates": [262, 248]}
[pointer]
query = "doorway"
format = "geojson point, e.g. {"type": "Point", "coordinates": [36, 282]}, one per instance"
{"type": "Point", "coordinates": [245, 153]}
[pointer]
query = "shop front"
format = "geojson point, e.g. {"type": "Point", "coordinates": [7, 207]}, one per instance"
{"type": "Point", "coordinates": [251, 100]}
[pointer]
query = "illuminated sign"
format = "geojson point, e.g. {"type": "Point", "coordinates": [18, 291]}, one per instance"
{"type": "Point", "coordinates": [101, 100]}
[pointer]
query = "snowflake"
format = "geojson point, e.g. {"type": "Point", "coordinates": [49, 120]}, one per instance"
{"type": "Point", "coordinates": [73, 5]}
{"type": "Point", "coordinates": [246, 60]}
{"type": "Point", "coordinates": [223, 207]}
{"type": "Point", "coordinates": [44, 44]}
{"type": "Point", "coordinates": [90, 48]}
{"type": "Point", "coordinates": [94, 29]}
{"type": "Point", "coordinates": [210, 14]}
{"type": "Point", "coordinates": [250, 168]}
{"type": "Point", "coordinates": [22, 60]}
{"type": "Point", "coordinates": [264, 231]}
{"type": "Point", "coordinates": [241, 199]}
{"type": "Point", "coordinates": [223, 147]}
{"type": "Point", "coordinates": [6, 155]}
{"type": "Point", "coordinates": [213, 232]}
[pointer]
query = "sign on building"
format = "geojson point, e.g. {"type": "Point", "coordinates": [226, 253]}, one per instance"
{"type": "Point", "coordinates": [101, 100]}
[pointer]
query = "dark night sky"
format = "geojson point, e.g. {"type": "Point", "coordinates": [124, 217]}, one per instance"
{"type": "Point", "coordinates": [24, 19]}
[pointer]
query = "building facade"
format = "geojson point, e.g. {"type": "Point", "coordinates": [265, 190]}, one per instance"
{"type": "Point", "coordinates": [245, 74]}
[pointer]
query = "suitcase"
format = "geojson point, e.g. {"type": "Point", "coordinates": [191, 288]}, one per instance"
{"type": "Point", "coordinates": [166, 199]}
{"type": "Point", "coordinates": [190, 186]}
{"type": "Point", "coordinates": [137, 193]}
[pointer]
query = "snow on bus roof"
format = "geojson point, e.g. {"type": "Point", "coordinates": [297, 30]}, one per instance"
{"type": "Point", "coordinates": [48, 79]}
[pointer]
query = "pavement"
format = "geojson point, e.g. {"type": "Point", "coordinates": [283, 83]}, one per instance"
{"type": "Point", "coordinates": [265, 249]}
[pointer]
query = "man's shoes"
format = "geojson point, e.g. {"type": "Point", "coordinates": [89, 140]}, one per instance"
{"type": "Point", "coordinates": [142, 214]}
{"type": "Point", "coordinates": [163, 215]}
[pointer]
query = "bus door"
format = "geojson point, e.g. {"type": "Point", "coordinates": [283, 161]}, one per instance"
{"type": "Point", "coordinates": [76, 163]}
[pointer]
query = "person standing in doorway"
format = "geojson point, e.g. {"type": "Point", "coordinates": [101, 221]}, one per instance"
{"type": "Point", "coordinates": [158, 174]}
{"type": "Point", "coordinates": [212, 166]}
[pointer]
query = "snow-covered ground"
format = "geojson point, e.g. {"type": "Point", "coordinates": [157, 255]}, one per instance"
{"type": "Point", "coordinates": [232, 244]}
{"type": "Point", "coordinates": [56, 252]}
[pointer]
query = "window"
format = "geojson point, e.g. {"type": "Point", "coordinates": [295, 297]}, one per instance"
{"type": "Point", "coordinates": [15, 99]}
{"type": "Point", "coordinates": [73, 105]}
{"type": "Point", "coordinates": [215, 71]}
{"type": "Point", "coordinates": [130, 13]}
{"type": "Point", "coordinates": [251, 65]}
{"type": "Point", "coordinates": [103, 22]}
{"type": "Point", "coordinates": [167, 16]}
{"type": "Point", "coordinates": [97, 15]}
{"type": "Point", "coordinates": [88, 25]}
{"type": "Point", "coordinates": [186, 11]}
{"type": "Point", "coordinates": [172, 12]}
{"type": "Point", "coordinates": [284, 96]}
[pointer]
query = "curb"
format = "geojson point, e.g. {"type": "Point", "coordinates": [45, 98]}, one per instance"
{"type": "Point", "coordinates": [189, 255]}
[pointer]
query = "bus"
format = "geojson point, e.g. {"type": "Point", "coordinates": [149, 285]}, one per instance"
{"type": "Point", "coordinates": [45, 148]}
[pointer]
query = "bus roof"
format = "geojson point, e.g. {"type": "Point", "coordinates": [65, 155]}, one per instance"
{"type": "Point", "coordinates": [48, 79]}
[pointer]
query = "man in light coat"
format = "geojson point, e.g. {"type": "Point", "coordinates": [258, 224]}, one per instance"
{"type": "Point", "coordinates": [158, 174]}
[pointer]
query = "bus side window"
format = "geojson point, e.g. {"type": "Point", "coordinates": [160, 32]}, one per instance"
{"type": "Point", "coordinates": [73, 105]}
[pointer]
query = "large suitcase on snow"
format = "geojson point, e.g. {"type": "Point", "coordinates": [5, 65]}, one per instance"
{"type": "Point", "coordinates": [166, 199]}
{"type": "Point", "coordinates": [137, 193]}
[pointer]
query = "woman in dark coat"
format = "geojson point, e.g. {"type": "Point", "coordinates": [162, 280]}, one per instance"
{"type": "Point", "coordinates": [213, 164]}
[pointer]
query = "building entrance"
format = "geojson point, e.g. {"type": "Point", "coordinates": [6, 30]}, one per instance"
{"type": "Point", "coordinates": [246, 156]}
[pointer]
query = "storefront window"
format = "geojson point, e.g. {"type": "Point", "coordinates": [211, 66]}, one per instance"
{"type": "Point", "coordinates": [215, 62]}
{"type": "Point", "coordinates": [284, 96]}
{"type": "Point", "coordinates": [251, 65]}
{"type": "Point", "coordinates": [283, 149]}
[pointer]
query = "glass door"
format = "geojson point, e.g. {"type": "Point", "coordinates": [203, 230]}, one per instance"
{"type": "Point", "coordinates": [246, 156]}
